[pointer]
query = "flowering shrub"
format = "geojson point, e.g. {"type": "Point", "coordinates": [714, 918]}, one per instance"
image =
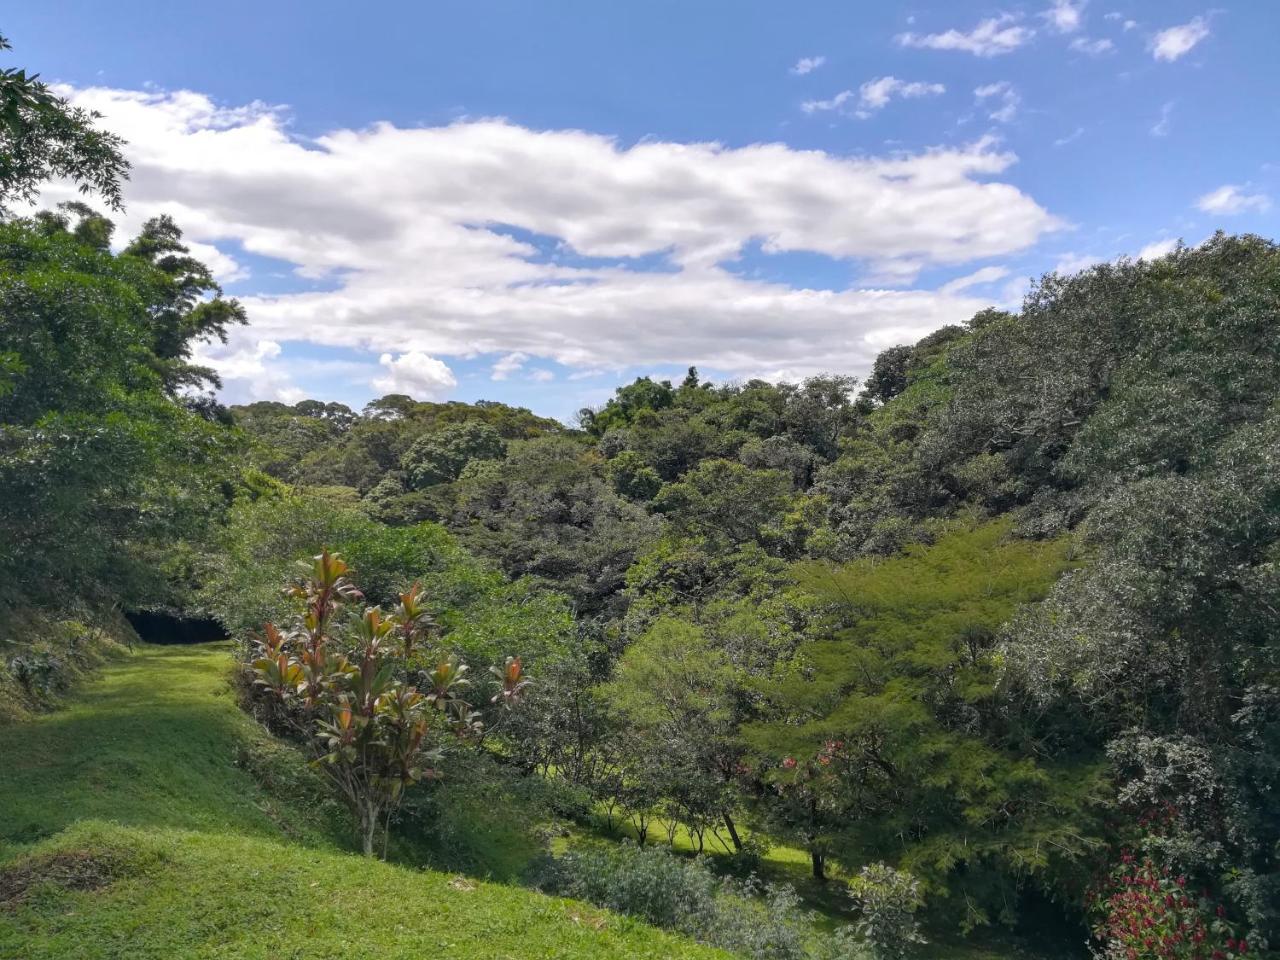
{"type": "Point", "coordinates": [1144, 912]}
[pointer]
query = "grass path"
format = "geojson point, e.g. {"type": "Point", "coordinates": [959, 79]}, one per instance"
{"type": "Point", "coordinates": [128, 831]}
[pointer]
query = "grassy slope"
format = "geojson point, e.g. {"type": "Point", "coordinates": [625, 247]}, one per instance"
{"type": "Point", "coordinates": [133, 791]}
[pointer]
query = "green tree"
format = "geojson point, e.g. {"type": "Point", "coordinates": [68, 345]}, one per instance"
{"type": "Point", "coordinates": [95, 448]}
{"type": "Point", "coordinates": [440, 457]}
{"type": "Point", "coordinates": [892, 732]}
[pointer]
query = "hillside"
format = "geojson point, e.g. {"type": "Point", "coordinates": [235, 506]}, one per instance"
{"type": "Point", "coordinates": [129, 831]}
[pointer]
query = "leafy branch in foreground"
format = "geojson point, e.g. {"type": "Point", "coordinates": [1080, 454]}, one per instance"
{"type": "Point", "coordinates": [340, 684]}
{"type": "Point", "coordinates": [43, 137]}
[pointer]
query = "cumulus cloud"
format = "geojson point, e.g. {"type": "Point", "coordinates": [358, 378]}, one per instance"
{"type": "Point", "coordinates": [1175, 42]}
{"type": "Point", "coordinates": [990, 38]}
{"type": "Point", "coordinates": [874, 95]}
{"type": "Point", "coordinates": [1065, 16]}
{"type": "Point", "coordinates": [807, 65]}
{"type": "Point", "coordinates": [411, 231]}
{"type": "Point", "coordinates": [1001, 99]}
{"type": "Point", "coordinates": [420, 376]}
{"type": "Point", "coordinates": [1157, 249]}
{"type": "Point", "coordinates": [245, 365]}
{"type": "Point", "coordinates": [1230, 198]}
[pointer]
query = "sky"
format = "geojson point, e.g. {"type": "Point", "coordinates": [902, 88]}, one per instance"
{"type": "Point", "coordinates": [534, 202]}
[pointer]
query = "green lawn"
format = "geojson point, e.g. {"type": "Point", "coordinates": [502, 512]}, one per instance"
{"type": "Point", "coordinates": [127, 830]}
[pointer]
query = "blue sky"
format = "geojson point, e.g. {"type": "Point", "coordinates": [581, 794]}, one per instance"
{"type": "Point", "coordinates": [533, 202]}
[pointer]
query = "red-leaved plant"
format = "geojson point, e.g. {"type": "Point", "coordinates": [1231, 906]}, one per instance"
{"type": "Point", "coordinates": [342, 687]}
{"type": "Point", "coordinates": [1145, 912]}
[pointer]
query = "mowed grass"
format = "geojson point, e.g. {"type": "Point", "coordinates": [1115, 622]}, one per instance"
{"type": "Point", "coordinates": [128, 831]}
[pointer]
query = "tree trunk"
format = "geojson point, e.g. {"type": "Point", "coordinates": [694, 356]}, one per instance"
{"type": "Point", "coordinates": [733, 831]}
{"type": "Point", "coordinates": [819, 861]}
{"type": "Point", "coordinates": [368, 828]}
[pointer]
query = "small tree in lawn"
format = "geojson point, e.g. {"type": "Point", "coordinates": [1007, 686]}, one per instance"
{"type": "Point", "coordinates": [341, 684]}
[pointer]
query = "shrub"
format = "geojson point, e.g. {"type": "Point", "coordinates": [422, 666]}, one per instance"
{"type": "Point", "coordinates": [1144, 912]}
{"type": "Point", "coordinates": [341, 688]}
{"type": "Point", "coordinates": [887, 901]}
{"type": "Point", "coordinates": [763, 922]}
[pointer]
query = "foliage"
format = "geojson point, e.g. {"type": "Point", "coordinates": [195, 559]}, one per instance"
{"type": "Point", "coordinates": [441, 457]}
{"type": "Point", "coordinates": [665, 890]}
{"type": "Point", "coordinates": [887, 900]}
{"type": "Point", "coordinates": [343, 691]}
{"type": "Point", "coordinates": [890, 737]}
{"type": "Point", "coordinates": [43, 137]}
{"type": "Point", "coordinates": [546, 511]}
{"type": "Point", "coordinates": [1144, 912]}
{"type": "Point", "coordinates": [95, 447]}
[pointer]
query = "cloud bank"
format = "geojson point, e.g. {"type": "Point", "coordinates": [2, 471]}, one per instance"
{"type": "Point", "coordinates": [485, 236]}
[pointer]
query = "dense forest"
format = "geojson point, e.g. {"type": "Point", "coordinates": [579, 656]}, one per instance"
{"type": "Point", "coordinates": [991, 638]}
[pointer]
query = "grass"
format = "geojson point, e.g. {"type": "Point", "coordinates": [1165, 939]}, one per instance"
{"type": "Point", "coordinates": [127, 830]}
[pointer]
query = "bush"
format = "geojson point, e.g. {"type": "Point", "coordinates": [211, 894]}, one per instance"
{"type": "Point", "coordinates": [1145, 912]}
{"type": "Point", "coordinates": [887, 901]}
{"type": "Point", "coordinates": [763, 922]}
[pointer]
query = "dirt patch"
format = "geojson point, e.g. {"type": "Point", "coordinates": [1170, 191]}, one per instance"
{"type": "Point", "coordinates": [69, 870]}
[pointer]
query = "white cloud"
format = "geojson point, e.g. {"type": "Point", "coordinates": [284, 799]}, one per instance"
{"type": "Point", "coordinates": [1071, 137]}
{"type": "Point", "coordinates": [990, 38]}
{"type": "Point", "coordinates": [821, 106]}
{"type": "Point", "coordinates": [1161, 127]}
{"type": "Point", "coordinates": [1157, 249]}
{"type": "Point", "coordinates": [541, 375]}
{"type": "Point", "coordinates": [807, 65]}
{"type": "Point", "coordinates": [420, 376]}
{"type": "Point", "coordinates": [1230, 198]}
{"type": "Point", "coordinates": [1075, 262]}
{"type": "Point", "coordinates": [1174, 42]}
{"type": "Point", "coordinates": [979, 277]}
{"type": "Point", "coordinates": [247, 369]}
{"type": "Point", "coordinates": [874, 95]}
{"type": "Point", "coordinates": [1065, 16]}
{"type": "Point", "coordinates": [1093, 47]}
{"type": "Point", "coordinates": [225, 268]}
{"type": "Point", "coordinates": [508, 365]}
{"type": "Point", "coordinates": [408, 229]}
{"type": "Point", "coordinates": [1005, 100]}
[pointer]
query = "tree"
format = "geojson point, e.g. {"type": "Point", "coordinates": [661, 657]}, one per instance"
{"type": "Point", "coordinates": [546, 511]}
{"type": "Point", "coordinates": [43, 137]}
{"type": "Point", "coordinates": [96, 449]}
{"type": "Point", "coordinates": [888, 375]}
{"type": "Point", "coordinates": [891, 738]}
{"type": "Point", "coordinates": [725, 502]}
{"type": "Point", "coordinates": [672, 691]}
{"type": "Point", "coordinates": [440, 457]}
